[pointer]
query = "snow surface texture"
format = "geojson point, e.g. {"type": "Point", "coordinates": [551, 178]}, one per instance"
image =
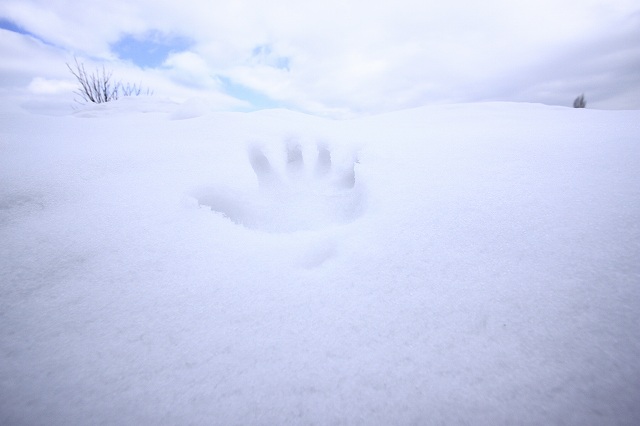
{"type": "Point", "coordinates": [463, 264]}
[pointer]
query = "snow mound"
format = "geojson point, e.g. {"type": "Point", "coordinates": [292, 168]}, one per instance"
{"type": "Point", "coordinates": [127, 105]}
{"type": "Point", "coordinates": [191, 108]}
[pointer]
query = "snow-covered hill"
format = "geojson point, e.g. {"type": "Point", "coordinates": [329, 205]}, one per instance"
{"type": "Point", "coordinates": [462, 264]}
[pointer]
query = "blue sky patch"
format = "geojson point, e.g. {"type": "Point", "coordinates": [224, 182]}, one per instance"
{"type": "Point", "coordinates": [255, 98]}
{"type": "Point", "coordinates": [6, 24]}
{"type": "Point", "coordinates": [149, 50]}
{"type": "Point", "coordinates": [9, 25]}
{"type": "Point", "coordinates": [264, 54]}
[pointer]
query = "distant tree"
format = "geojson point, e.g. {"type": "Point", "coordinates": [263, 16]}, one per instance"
{"type": "Point", "coordinates": [98, 87]}
{"type": "Point", "coordinates": [579, 102]}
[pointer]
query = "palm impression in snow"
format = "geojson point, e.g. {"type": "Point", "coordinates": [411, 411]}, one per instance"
{"type": "Point", "coordinates": [297, 198]}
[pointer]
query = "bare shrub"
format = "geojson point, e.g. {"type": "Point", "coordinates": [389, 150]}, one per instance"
{"type": "Point", "coordinates": [579, 102]}
{"type": "Point", "coordinates": [98, 86]}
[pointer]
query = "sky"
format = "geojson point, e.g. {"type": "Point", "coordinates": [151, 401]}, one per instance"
{"type": "Point", "coordinates": [330, 58]}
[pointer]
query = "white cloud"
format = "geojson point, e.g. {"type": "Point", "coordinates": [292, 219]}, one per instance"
{"type": "Point", "coordinates": [358, 56]}
{"type": "Point", "coordinates": [24, 58]}
{"type": "Point", "coordinates": [43, 86]}
{"type": "Point", "coordinates": [190, 69]}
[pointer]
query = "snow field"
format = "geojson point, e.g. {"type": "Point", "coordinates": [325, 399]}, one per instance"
{"type": "Point", "coordinates": [464, 264]}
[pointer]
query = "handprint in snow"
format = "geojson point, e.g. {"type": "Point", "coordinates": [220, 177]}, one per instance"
{"type": "Point", "coordinates": [298, 198]}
